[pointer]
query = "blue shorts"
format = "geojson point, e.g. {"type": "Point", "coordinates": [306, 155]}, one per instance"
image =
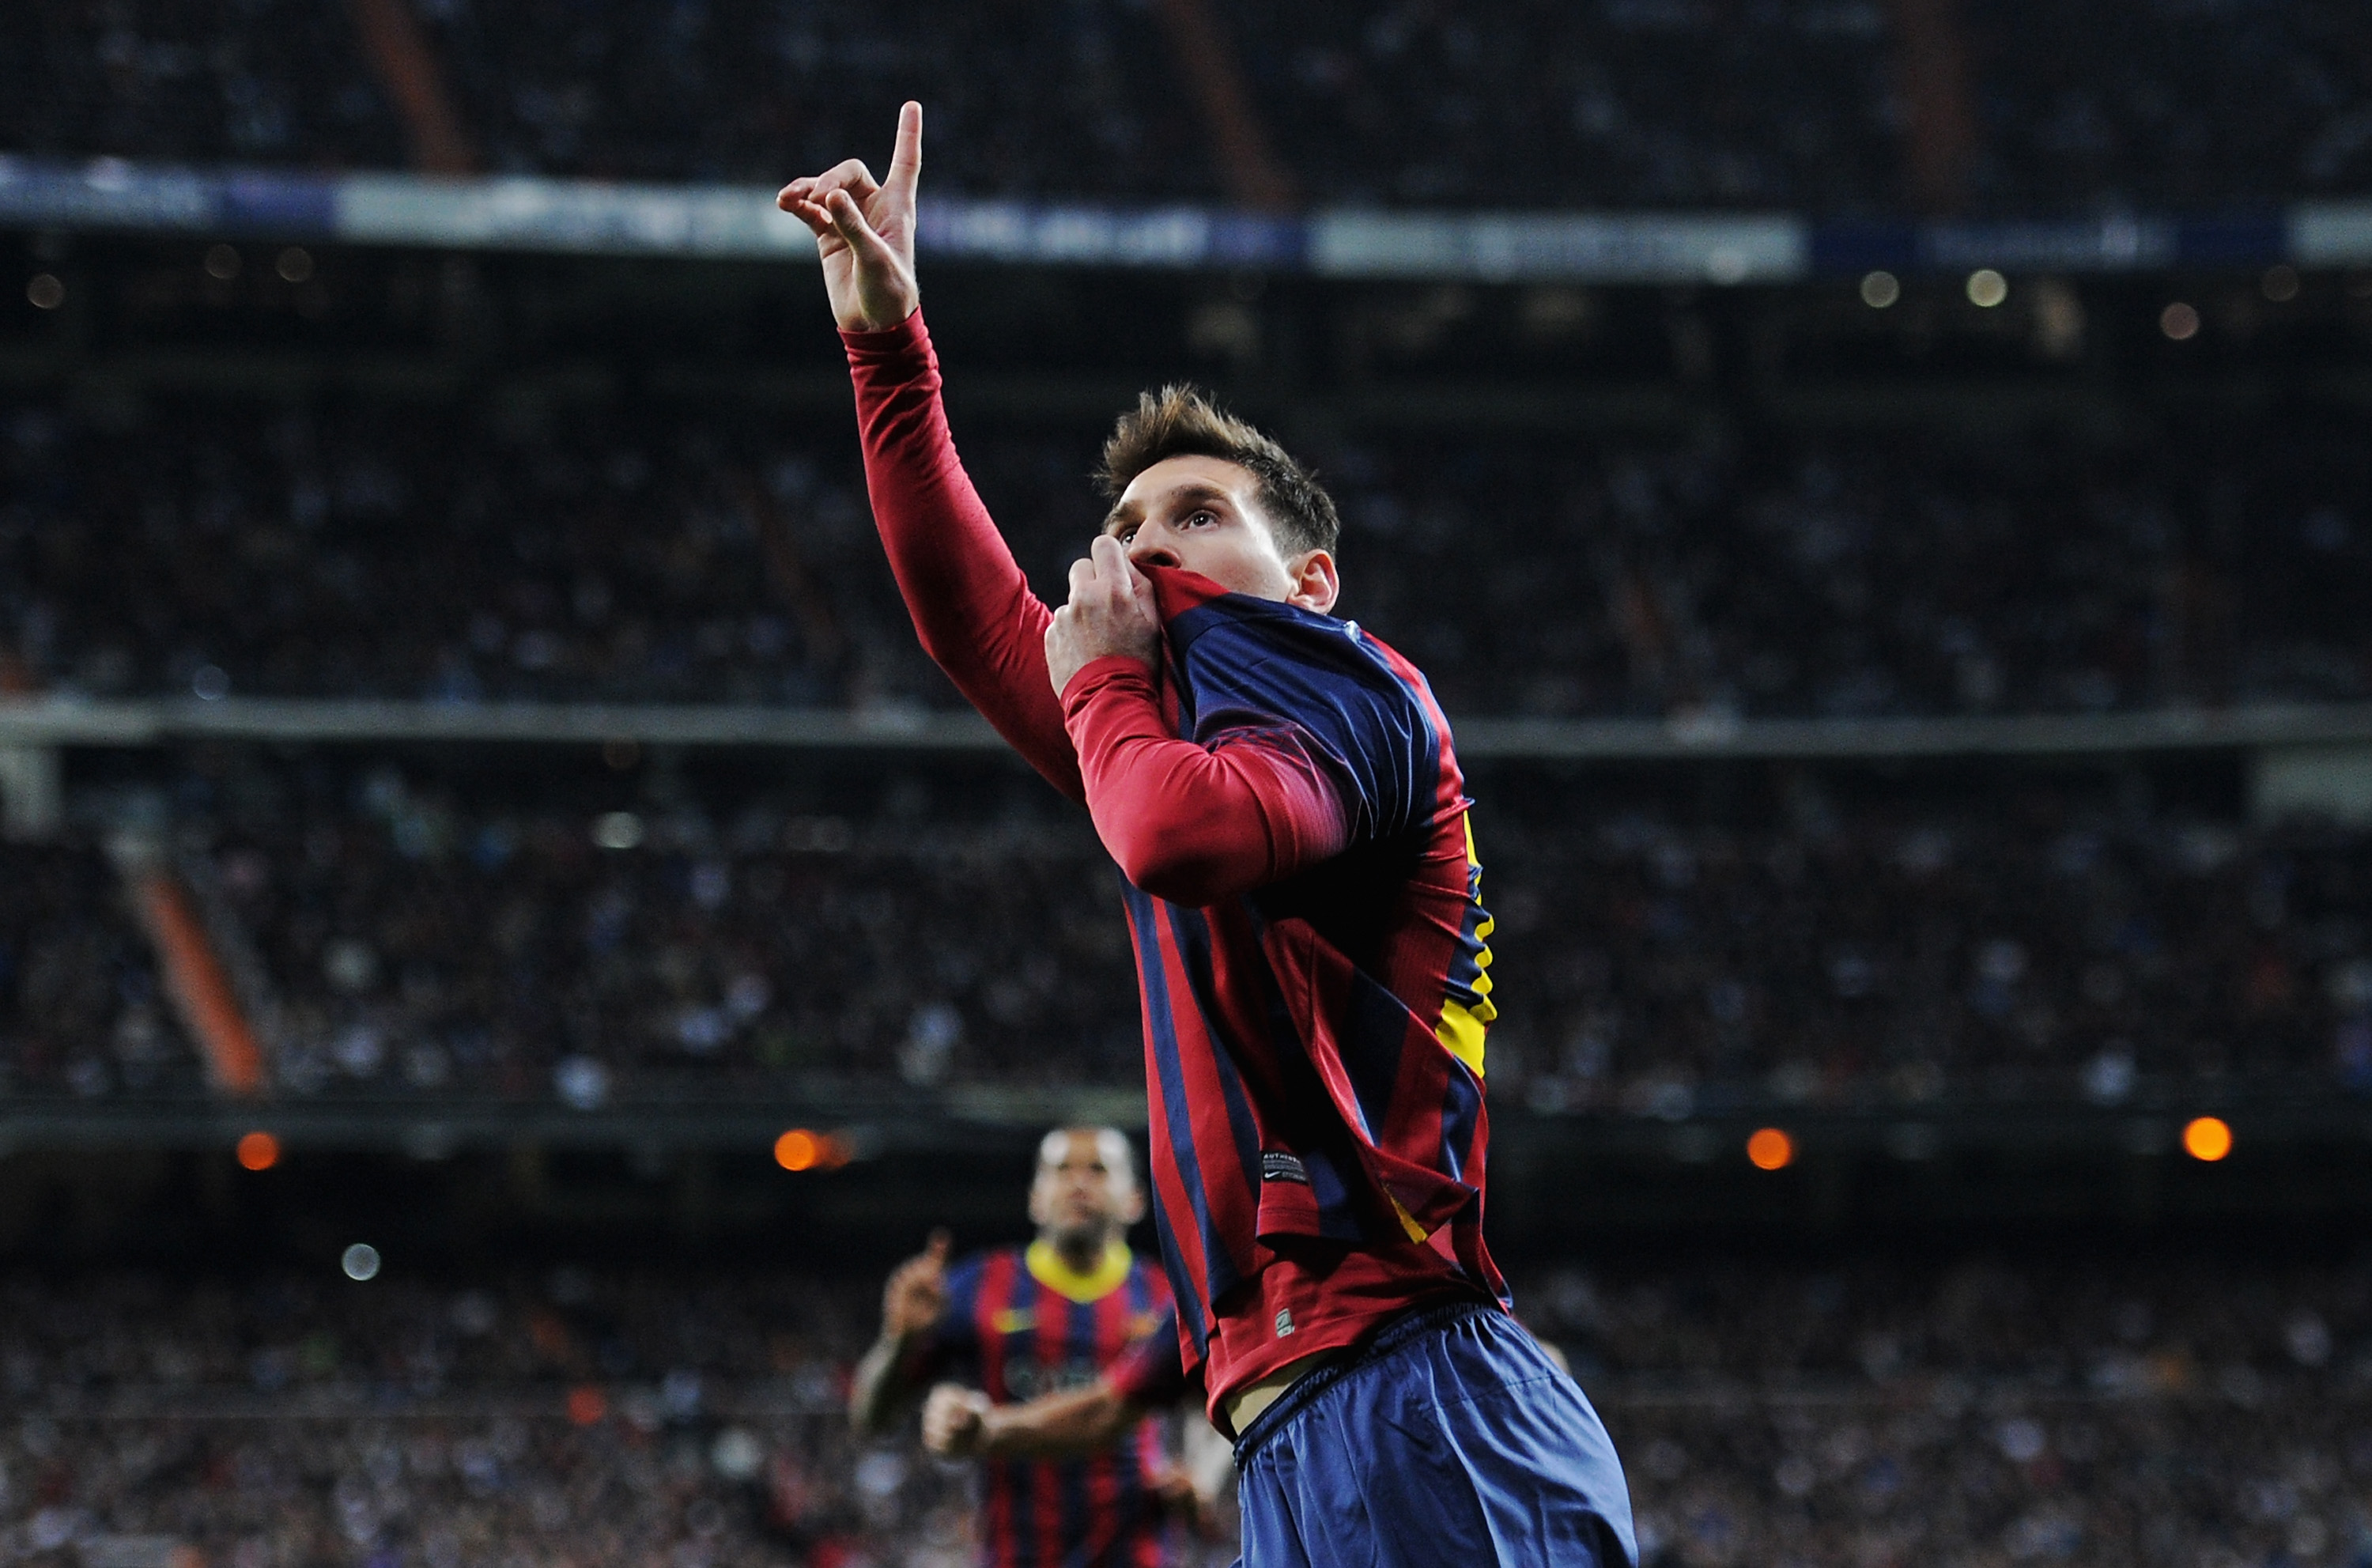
{"type": "Point", "coordinates": [1449, 1439]}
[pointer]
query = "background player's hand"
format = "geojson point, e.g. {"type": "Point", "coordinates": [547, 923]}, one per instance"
{"type": "Point", "coordinates": [955, 1420]}
{"type": "Point", "coordinates": [865, 231]}
{"type": "Point", "coordinates": [1112, 611]}
{"type": "Point", "coordinates": [917, 1293]}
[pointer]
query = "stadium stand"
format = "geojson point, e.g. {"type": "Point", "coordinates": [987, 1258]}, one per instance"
{"type": "Point", "coordinates": [2027, 1409]}
{"type": "Point", "coordinates": [81, 1010]}
{"type": "Point", "coordinates": [262, 81]}
{"type": "Point", "coordinates": [649, 552]}
{"type": "Point", "coordinates": [445, 935]}
{"type": "Point", "coordinates": [1629, 103]}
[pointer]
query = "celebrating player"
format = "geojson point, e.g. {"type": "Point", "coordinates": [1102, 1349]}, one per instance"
{"type": "Point", "coordinates": [1281, 794]}
{"type": "Point", "coordinates": [1051, 1320]}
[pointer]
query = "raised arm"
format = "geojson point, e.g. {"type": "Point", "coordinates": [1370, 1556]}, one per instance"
{"type": "Point", "coordinates": [891, 1373]}
{"type": "Point", "coordinates": [971, 604]}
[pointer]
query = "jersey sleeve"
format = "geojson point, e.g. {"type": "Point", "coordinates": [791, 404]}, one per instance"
{"type": "Point", "coordinates": [971, 604]}
{"type": "Point", "coordinates": [1152, 1372]}
{"type": "Point", "coordinates": [1252, 665]}
{"type": "Point", "coordinates": [1196, 822]}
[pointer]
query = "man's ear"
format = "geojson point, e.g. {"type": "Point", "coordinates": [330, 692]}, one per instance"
{"type": "Point", "coordinates": [1134, 1209]}
{"type": "Point", "coordinates": [1315, 586]}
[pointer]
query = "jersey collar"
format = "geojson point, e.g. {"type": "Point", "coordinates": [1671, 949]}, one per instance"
{"type": "Point", "coordinates": [1047, 1267]}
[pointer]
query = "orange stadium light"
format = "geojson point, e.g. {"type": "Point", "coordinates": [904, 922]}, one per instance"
{"type": "Point", "coordinates": [1771, 1149]}
{"type": "Point", "coordinates": [258, 1151]}
{"type": "Point", "coordinates": [799, 1149]}
{"type": "Point", "coordinates": [2207, 1138]}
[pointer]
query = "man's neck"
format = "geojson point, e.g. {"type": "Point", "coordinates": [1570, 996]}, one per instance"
{"type": "Point", "coordinates": [1083, 1254]}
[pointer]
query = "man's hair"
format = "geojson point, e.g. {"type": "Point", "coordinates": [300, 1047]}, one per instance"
{"type": "Point", "coordinates": [1179, 422]}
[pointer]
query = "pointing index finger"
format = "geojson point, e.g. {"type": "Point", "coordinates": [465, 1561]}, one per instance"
{"type": "Point", "coordinates": [906, 162]}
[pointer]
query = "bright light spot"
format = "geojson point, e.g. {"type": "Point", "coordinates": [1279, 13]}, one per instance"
{"type": "Point", "coordinates": [210, 684]}
{"type": "Point", "coordinates": [295, 264]}
{"type": "Point", "coordinates": [586, 1405]}
{"type": "Point", "coordinates": [1987, 288]}
{"type": "Point", "coordinates": [2281, 284]}
{"type": "Point", "coordinates": [618, 829]}
{"type": "Point", "coordinates": [799, 1149]}
{"type": "Point", "coordinates": [45, 292]}
{"type": "Point", "coordinates": [360, 1262]}
{"type": "Point", "coordinates": [736, 1454]}
{"type": "Point", "coordinates": [1771, 1149]}
{"type": "Point", "coordinates": [2179, 321]}
{"type": "Point", "coordinates": [2207, 1138]}
{"type": "Point", "coordinates": [1879, 290]}
{"type": "Point", "coordinates": [222, 263]}
{"type": "Point", "coordinates": [258, 1151]}
{"type": "Point", "coordinates": [583, 1083]}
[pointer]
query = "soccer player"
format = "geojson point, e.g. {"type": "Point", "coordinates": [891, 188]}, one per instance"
{"type": "Point", "coordinates": [1281, 792]}
{"type": "Point", "coordinates": [1031, 1323]}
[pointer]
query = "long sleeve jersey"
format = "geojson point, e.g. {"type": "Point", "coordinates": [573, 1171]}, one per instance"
{"type": "Point", "coordinates": [1304, 901]}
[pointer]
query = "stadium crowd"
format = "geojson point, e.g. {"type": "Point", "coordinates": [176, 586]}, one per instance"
{"type": "Point", "coordinates": [2084, 106]}
{"type": "Point", "coordinates": [1962, 1408]}
{"type": "Point", "coordinates": [655, 935]}
{"type": "Point", "coordinates": [80, 1007]}
{"type": "Point", "coordinates": [652, 553]}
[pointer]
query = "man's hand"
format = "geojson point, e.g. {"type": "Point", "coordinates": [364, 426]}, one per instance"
{"type": "Point", "coordinates": [1112, 611]}
{"type": "Point", "coordinates": [865, 231]}
{"type": "Point", "coordinates": [916, 1293]}
{"type": "Point", "coordinates": [955, 1421]}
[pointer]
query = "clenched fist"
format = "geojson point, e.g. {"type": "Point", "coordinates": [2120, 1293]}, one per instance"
{"type": "Point", "coordinates": [955, 1421]}
{"type": "Point", "coordinates": [1112, 611]}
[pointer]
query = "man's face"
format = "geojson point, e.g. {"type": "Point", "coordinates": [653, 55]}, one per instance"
{"type": "Point", "coordinates": [1204, 514]}
{"type": "Point", "coordinates": [1081, 1192]}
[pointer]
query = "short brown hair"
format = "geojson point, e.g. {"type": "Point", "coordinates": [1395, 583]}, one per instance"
{"type": "Point", "coordinates": [1179, 422]}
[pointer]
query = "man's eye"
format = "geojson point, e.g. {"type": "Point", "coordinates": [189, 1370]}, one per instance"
{"type": "Point", "coordinates": [1200, 518]}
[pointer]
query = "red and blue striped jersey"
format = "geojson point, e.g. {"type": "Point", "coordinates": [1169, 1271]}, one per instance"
{"type": "Point", "coordinates": [1314, 1045]}
{"type": "Point", "coordinates": [1024, 1325]}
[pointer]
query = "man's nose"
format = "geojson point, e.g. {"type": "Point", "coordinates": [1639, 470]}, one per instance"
{"type": "Point", "coordinates": [1146, 552]}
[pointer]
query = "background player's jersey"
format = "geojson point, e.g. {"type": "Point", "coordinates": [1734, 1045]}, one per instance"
{"type": "Point", "coordinates": [1025, 1325]}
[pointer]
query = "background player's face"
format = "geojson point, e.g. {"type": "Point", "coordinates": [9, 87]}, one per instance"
{"type": "Point", "coordinates": [1082, 1193]}
{"type": "Point", "coordinates": [1204, 514]}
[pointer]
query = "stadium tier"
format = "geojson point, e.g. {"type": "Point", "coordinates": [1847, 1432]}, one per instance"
{"type": "Point", "coordinates": [651, 551]}
{"type": "Point", "coordinates": [2034, 109]}
{"type": "Point", "coordinates": [2122, 1409]}
{"type": "Point", "coordinates": [658, 935]}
